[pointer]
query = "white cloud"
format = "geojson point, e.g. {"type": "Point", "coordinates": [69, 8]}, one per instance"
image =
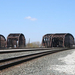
{"type": "Point", "coordinates": [30, 18]}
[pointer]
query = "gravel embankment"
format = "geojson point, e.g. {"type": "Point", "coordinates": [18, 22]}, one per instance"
{"type": "Point", "coordinates": [61, 63]}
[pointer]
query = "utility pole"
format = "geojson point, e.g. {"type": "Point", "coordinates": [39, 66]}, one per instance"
{"type": "Point", "coordinates": [0, 41]}
{"type": "Point", "coordinates": [29, 42]}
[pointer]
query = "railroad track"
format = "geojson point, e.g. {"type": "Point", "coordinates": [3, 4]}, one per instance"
{"type": "Point", "coordinates": [9, 62]}
{"type": "Point", "coordinates": [22, 50]}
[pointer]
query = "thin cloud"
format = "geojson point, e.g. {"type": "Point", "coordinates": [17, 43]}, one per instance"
{"type": "Point", "coordinates": [30, 18]}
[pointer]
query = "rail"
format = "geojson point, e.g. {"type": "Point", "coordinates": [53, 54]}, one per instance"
{"type": "Point", "coordinates": [9, 62]}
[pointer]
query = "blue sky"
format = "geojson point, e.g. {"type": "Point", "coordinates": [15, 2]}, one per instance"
{"type": "Point", "coordinates": [34, 18]}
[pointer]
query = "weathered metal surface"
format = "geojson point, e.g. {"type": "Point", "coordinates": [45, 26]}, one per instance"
{"type": "Point", "coordinates": [2, 41]}
{"type": "Point", "coordinates": [16, 40]}
{"type": "Point", "coordinates": [58, 40]}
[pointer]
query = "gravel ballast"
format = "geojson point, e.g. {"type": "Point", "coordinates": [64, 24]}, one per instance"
{"type": "Point", "coordinates": [61, 63]}
{"type": "Point", "coordinates": [10, 55]}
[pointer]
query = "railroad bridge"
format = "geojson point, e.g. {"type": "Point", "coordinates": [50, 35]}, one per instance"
{"type": "Point", "coordinates": [58, 40]}
{"type": "Point", "coordinates": [16, 40]}
{"type": "Point", "coordinates": [2, 41]}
